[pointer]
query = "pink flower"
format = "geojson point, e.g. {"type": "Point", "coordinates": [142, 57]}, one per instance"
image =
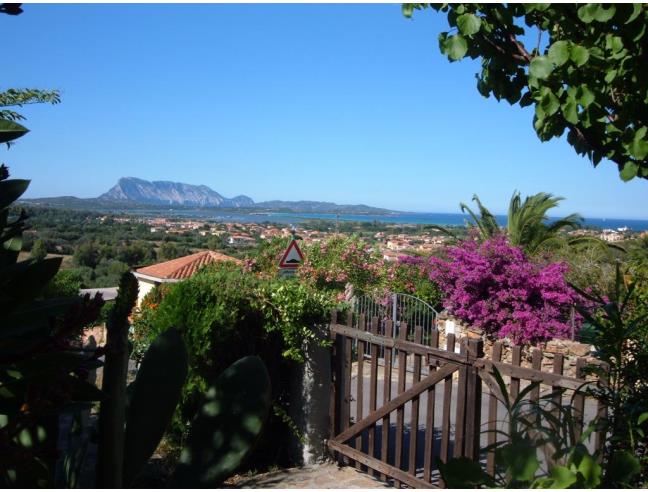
{"type": "Point", "coordinates": [494, 286]}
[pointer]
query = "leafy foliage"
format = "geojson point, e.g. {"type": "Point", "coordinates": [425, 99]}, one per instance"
{"type": "Point", "coordinates": [39, 250]}
{"type": "Point", "coordinates": [20, 97]}
{"type": "Point", "coordinates": [225, 313]}
{"type": "Point", "coordinates": [411, 275]}
{"type": "Point", "coordinates": [582, 67]}
{"type": "Point", "coordinates": [66, 283]}
{"type": "Point", "coordinates": [528, 224]}
{"type": "Point", "coordinates": [545, 427]}
{"type": "Point", "coordinates": [341, 260]}
{"type": "Point", "coordinates": [43, 370]}
{"type": "Point", "coordinates": [291, 308]}
{"type": "Point", "coordinates": [618, 328]}
{"type": "Point", "coordinates": [495, 287]}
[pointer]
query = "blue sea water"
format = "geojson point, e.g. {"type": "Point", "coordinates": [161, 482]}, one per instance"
{"type": "Point", "coordinates": [443, 219]}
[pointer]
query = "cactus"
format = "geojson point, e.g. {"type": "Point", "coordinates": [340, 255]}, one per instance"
{"type": "Point", "coordinates": [153, 398]}
{"type": "Point", "coordinates": [112, 411]}
{"type": "Point", "coordinates": [227, 425]}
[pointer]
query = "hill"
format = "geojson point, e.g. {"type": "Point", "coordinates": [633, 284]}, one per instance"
{"type": "Point", "coordinates": [134, 193]}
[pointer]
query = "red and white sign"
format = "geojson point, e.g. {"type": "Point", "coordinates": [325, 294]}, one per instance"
{"type": "Point", "coordinates": [293, 256]}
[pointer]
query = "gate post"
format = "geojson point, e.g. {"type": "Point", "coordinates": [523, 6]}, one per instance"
{"type": "Point", "coordinates": [335, 408]}
{"type": "Point", "coordinates": [475, 350]}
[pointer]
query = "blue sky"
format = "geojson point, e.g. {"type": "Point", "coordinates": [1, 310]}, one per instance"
{"type": "Point", "coordinates": [344, 103]}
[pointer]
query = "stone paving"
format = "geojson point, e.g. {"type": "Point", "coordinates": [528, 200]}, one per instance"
{"type": "Point", "coordinates": [324, 476]}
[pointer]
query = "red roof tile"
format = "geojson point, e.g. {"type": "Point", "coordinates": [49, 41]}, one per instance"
{"type": "Point", "coordinates": [186, 266]}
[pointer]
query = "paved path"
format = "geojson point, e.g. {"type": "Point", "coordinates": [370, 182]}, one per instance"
{"type": "Point", "coordinates": [324, 476]}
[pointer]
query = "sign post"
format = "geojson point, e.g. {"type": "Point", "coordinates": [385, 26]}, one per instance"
{"type": "Point", "coordinates": [291, 259]}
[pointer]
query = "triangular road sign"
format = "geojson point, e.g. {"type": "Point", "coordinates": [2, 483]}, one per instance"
{"type": "Point", "coordinates": [292, 257]}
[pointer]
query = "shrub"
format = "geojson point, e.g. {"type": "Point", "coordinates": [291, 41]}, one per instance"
{"type": "Point", "coordinates": [341, 260]}
{"type": "Point", "coordinates": [495, 287]}
{"type": "Point", "coordinates": [411, 275]}
{"type": "Point", "coordinates": [225, 313]}
{"type": "Point", "coordinates": [66, 283]}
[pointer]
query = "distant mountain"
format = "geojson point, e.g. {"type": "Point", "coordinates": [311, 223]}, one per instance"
{"type": "Point", "coordinates": [135, 193]}
{"type": "Point", "coordinates": [170, 193]}
{"type": "Point", "coordinates": [319, 207]}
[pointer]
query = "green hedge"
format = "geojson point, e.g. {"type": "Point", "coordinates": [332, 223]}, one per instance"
{"type": "Point", "coordinates": [224, 314]}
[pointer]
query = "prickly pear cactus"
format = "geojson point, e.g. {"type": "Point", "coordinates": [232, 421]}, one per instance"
{"type": "Point", "coordinates": [153, 398]}
{"type": "Point", "coordinates": [110, 450]}
{"type": "Point", "coordinates": [227, 426]}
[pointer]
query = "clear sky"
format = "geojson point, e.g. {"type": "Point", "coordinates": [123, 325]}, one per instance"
{"type": "Point", "coordinates": [343, 103]}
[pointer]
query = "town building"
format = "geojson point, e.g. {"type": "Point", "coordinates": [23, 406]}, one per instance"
{"type": "Point", "coordinates": [175, 270]}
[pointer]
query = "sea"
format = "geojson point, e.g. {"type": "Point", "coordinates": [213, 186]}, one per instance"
{"type": "Point", "coordinates": [442, 219]}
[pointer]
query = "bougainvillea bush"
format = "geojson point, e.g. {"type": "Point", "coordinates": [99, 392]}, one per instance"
{"type": "Point", "coordinates": [495, 287]}
{"type": "Point", "coordinates": [340, 260]}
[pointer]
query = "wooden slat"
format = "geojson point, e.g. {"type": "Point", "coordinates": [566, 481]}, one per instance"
{"type": "Point", "coordinates": [460, 419]}
{"type": "Point", "coordinates": [536, 364]}
{"type": "Point", "coordinates": [360, 350]}
{"type": "Point", "coordinates": [447, 401]}
{"type": "Point", "coordinates": [409, 347]}
{"type": "Point", "coordinates": [505, 369]}
{"type": "Point", "coordinates": [414, 423]}
{"type": "Point", "coordinates": [558, 364]}
{"type": "Point", "coordinates": [473, 402]}
{"type": "Point", "coordinates": [373, 387]}
{"type": "Point", "coordinates": [397, 402]}
{"type": "Point", "coordinates": [336, 377]}
{"type": "Point", "coordinates": [579, 398]}
{"type": "Point", "coordinates": [400, 412]}
{"type": "Point", "coordinates": [516, 359]}
{"type": "Point", "coordinates": [347, 351]}
{"type": "Point", "coordinates": [492, 415]}
{"type": "Point", "coordinates": [428, 459]}
{"type": "Point", "coordinates": [336, 371]}
{"type": "Point", "coordinates": [384, 468]}
{"type": "Point", "coordinates": [384, 446]}
{"type": "Point", "coordinates": [601, 412]}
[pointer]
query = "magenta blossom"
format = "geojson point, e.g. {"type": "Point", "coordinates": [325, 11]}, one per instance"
{"type": "Point", "coordinates": [495, 287]}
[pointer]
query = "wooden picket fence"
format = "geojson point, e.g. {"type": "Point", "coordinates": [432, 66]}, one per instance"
{"type": "Point", "coordinates": [423, 403]}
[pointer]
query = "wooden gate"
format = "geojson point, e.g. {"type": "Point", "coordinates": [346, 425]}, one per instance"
{"type": "Point", "coordinates": [393, 419]}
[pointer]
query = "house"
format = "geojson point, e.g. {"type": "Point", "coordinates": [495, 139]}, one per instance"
{"type": "Point", "coordinates": [175, 270]}
{"type": "Point", "coordinates": [240, 240]}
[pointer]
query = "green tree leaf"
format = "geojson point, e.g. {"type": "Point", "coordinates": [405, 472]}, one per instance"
{"type": "Point", "coordinates": [562, 477]}
{"type": "Point", "coordinates": [540, 67]}
{"type": "Point", "coordinates": [579, 55]}
{"type": "Point", "coordinates": [591, 471]}
{"type": "Point", "coordinates": [603, 14]}
{"type": "Point", "coordinates": [455, 47]}
{"type": "Point", "coordinates": [587, 12]}
{"type": "Point", "coordinates": [584, 96]}
{"type": "Point", "coordinates": [468, 24]}
{"type": "Point", "coordinates": [570, 111]}
{"type": "Point", "coordinates": [559, 53]}
{"type": "Point", "coordinates": [520, 460]}
{"type": "Point", "coordinates": [628, 171]}
{"type": "Point", "coordinates": [549, 104]}
{"type": "Point", "coordinates": [639, 145]}
{"type": "Point", "coordinates": [623, 466]}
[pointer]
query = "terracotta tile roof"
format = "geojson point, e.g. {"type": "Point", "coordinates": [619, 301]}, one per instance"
{"type": "Point", "coordinates": [186, 266]}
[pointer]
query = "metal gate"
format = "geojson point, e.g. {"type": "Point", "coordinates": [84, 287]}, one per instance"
{"type": "Point", "coordinates": [402, 310]}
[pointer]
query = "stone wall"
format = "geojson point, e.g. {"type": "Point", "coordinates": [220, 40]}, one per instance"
{"type": "Point", "coordinates": [570, 350]}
